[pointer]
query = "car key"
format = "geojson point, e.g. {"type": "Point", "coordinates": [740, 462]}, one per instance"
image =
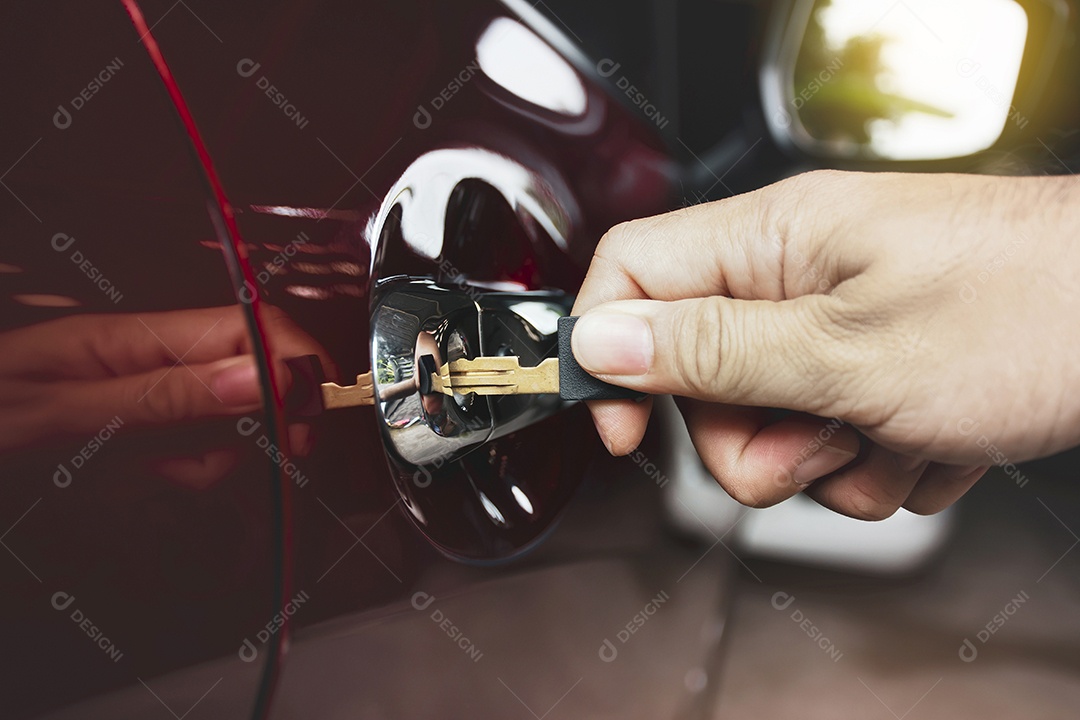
{"type": "Point", "coordinates": [560, 375]}
{"type": "Point", "coordinates": [495, 375]}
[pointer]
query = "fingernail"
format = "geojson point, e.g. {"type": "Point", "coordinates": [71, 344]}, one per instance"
{"type": "Point", "coordinates": [613, 343]}
{"type": "Point", "coordinates": [236, 383]}
{"type": "Point", "coordinates": [826, 460]}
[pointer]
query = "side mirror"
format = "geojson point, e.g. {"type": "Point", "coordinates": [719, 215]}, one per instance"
{"type": "Point", "coordinates": [916, 80]}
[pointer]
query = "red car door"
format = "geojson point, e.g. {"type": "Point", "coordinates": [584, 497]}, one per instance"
{"type": "Point", "coordinates": [361, 148]}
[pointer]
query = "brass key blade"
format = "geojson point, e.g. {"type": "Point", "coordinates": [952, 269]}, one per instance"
{"type": "Point", "coordinates": [497, 376]}
{"type": "Point", "coordinates": [362, 393]}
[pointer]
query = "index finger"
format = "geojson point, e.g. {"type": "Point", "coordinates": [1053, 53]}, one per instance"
{"type": "Point", "coordinates": [645, 259]}
{"type": "Point", "coordinates": [691, 252]}
{"type": "Point", "coordinates": [736, 247]}
{"type": "Point", "coordinates": [755, 246]}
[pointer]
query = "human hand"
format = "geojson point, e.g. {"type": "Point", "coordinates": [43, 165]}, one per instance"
{"type": "Point", "coordinates": [938, 315]}
{"type": "Point", "coordinates": [68, 378]}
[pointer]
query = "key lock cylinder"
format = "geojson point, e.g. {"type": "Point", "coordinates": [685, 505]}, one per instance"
{"type": "Point", "coordinates": [453, 367]}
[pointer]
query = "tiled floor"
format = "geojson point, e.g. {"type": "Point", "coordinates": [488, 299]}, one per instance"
{"type": "Point", "coordinates": [891, 648]}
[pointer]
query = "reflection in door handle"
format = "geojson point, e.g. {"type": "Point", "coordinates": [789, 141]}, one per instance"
{"type": "Point", "coordinates": [413, 318]}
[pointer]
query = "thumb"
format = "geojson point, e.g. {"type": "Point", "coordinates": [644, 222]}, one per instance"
{"type": "Point", "coordinates": [742, 352]}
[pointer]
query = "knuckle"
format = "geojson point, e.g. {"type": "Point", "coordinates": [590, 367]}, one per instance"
{"type": "Point", "coordinates": [696, 337]}
{"type": "Point", "coordinates": [622, 246]}
{"type": "Point", "coordinates": [615, 239]}
{"type": "Point", "coordinates": [162, 399]}
{"type": "Point", "coordinates": [795, 208]}
{"type": "Point", "coordinates": [737, 365]}
{"type": "Point", "coordinates": [633, 239]}
{"type": "Point", "coordinates": [812, 182]}
{"type": "Point", "coordinates": [785, 195]}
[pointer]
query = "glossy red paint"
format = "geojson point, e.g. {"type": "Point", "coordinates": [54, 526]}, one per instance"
{"type": "Point", "coordinates": [181, 568]}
